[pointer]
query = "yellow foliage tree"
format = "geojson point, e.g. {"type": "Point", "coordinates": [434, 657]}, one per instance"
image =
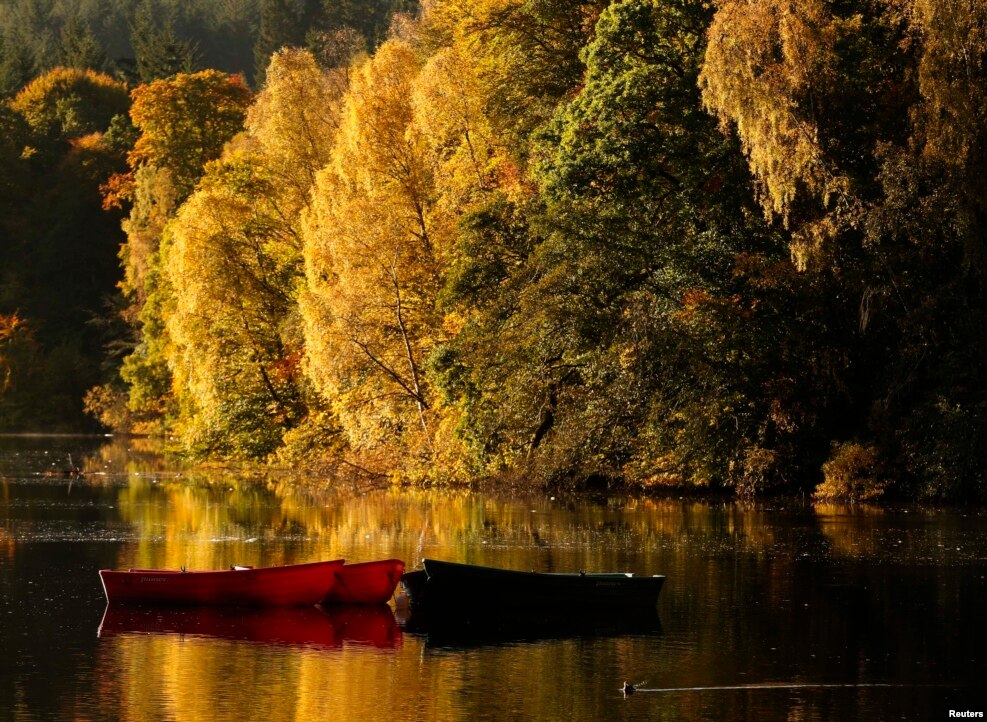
{"type": "Point", "coordinates": [230, 267]}
{"type": "Point", "coordinates": [294, 120]}
{"type": "Point", "coordinates": [371, 261]}
{"type": "Point", "coordinates": [763, 62]}
{"type": "Point", "coordinates": [523, 55]}
{"type": "Point", "coordinates": [69, 102]}
{"type": "Point", "coordinates": [767, 67]}
{"type": "Point", "coordinates": [950, 73]}
{"type": "Point", "coordinates": [448, 104]}
{"type": "Point", "coordinates": [235, 264]}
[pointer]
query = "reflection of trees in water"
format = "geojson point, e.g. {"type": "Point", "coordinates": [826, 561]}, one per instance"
{"type": "Point", "coordinates": [911, 534]}
{"type": "Point", "coordinates": [212, 517]}
{"type": "Point", "coordinates": [8, 546]}
{"type": "Point", "coordinates": [239, 512]}
{"type": "Point", "coordinates": [188, 506]}
{"type": "Point", "coordinates": [119, 455]}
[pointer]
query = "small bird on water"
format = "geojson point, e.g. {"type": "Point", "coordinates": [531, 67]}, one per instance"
{"type": "Point", "coordinates": [629, 689]}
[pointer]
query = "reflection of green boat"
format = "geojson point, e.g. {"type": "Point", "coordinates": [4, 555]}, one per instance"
{"type": "Point", "coordinates": [452, 585]}
{"type": "Point", "coordinates": [476, 627]}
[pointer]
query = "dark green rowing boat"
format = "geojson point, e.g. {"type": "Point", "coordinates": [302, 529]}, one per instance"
{"type": "Point", "coordinates": [452, 585]}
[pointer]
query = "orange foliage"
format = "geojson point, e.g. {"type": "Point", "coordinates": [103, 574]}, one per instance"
{"type": "Point", "coordinates": [698, 303]}
{"type": "Point", "coordinates": [287, 368]}
{"type": "Point", "coordinates": [185, 121]}
{"type": "Point", "coordinates": [117, 190]}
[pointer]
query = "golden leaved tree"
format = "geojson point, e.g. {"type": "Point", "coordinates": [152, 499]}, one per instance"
{"type": "Point", "coordinates": [448, 110]}
{"type": "Point", "coordinates": [372, 263]}
{"type": "Point", "coordinates": [234, 261]}
{"type": "Point", "coordinates": [294, 121]}
{"type": "Point", "coordinates": [767, 67]}
{"type": "Point", "coordinates": [182, 124]}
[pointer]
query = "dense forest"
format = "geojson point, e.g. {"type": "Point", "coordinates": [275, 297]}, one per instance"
{"type": "Point", "coordinates": [729, 245]}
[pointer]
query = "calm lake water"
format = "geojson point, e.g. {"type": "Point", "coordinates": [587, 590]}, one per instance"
{"type": "Point", "coordinates": [769, 612]}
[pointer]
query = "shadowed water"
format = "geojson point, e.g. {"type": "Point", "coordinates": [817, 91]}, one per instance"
{"type": "Point", "coordinates": [769, 612]}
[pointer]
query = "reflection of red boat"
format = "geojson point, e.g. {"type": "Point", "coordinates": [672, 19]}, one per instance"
{"type": "Point", "coordinates": [293, 585]}
{"type": "Point", "coordinates": [302, 626]}
{"type": "Point", "coordinates": [366, 583]}
{"type": "Point", "coordinates": [368, 624]}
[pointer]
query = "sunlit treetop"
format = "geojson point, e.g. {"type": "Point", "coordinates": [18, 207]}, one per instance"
{"type": "Point", "coordinates": [186, 121]}
{"type": "Point", "coordinates": [69, 102]}
{"type": "Point", "coordinates": [294, 119]}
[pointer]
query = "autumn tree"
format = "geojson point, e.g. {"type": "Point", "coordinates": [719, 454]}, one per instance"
{"type": "Point", "coordinates": [449, 109]}
{"type": "Point", "coordinates": [371, 259]}
{"type": "Point", "coordinates": [234, 262]}
{"type": "Point", "coordinates": [70, 102]}
{"type": "Point", "coordinates": [526, 53]}
{"type": "Point", "coordinates": [183, 123]}
{"type": "Point", "coordinates": [233, 354]}
{"type": "Point", "coordinates": [644, 241]}
{"type": "Point", "coordinates": [293, 123]}
{"type": "Point", "coordinates": [951, 119]}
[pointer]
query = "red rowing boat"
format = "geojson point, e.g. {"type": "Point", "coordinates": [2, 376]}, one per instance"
{"type": "Point", "coordinates": [365, 583]}
{"type": "Point", "coordinates": [293, 585]}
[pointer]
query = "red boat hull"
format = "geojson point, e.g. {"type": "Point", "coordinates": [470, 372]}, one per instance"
{"type": "Point", "coordinates": [293, 585]}
{"type": "Point", "coordinates": [366, 583]}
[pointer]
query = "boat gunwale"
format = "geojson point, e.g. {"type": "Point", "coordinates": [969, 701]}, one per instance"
{"type": "Point", "coordinates": [307, 583]}
{"type": "Point", "coordinates": [481, 569]}
{"type": "Point", "coordinates": [299, 567]}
